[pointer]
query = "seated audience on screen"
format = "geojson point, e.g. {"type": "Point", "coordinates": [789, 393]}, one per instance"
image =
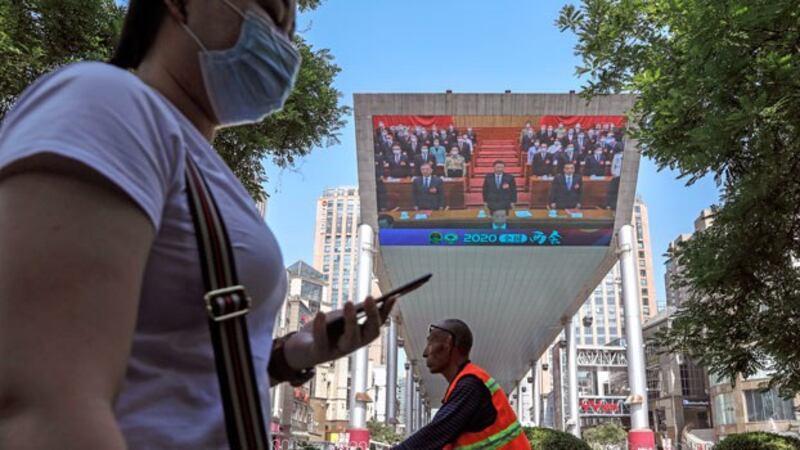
{"type": "Point", "coordinates": [455, 165]}
{"type": "Point", "coordinates": [566, 189]}
{"type": "Point", "coordinates": [428, 190]}
{"type": "Point", "coordinates": [595, 163]}
{"type": "Point", "coordinates": [472, 136]}
{"type": "Point", "coordinates": [452, 133]}
{"type": "Point", "coordinates": [397, 163]}
{"type": "Point", "coordinates": [499, 188]}
{"type": "Point", "coordinates": [465, 148]}
{"type": "Point", "coordinates": [439, 152]}
{"type": "Point", "coordinates": [541, 162]}
{"type": "Point", "coordinates": [567, 156]}
{"type": "Point", "coordinates": [424, 156]}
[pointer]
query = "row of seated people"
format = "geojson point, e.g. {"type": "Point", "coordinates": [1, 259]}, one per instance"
{"type": "Point", "coordinates": [601, 134]}
{"type": "Point", "coordinates": [400, 164]}
{"type": "Point", "coordinates": [500, 189]}
{"type": "Point", "coordinates": [412, 141]}
{"type": "Point", "coordinates": [544, 160]}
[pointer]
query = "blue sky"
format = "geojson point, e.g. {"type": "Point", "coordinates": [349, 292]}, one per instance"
{"type": "Point", "coordinates": [432, 46]}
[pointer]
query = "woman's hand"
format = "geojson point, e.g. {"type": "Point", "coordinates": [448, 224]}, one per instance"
{"type": "Point", "coordinates": [312, 345]}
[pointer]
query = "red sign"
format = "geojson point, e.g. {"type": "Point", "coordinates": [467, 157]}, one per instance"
{"type": "Point", "coordinates": [599, 406]}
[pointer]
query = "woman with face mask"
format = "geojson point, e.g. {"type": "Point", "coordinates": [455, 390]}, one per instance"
{"type": "Point", "coordinates": [111, 196]}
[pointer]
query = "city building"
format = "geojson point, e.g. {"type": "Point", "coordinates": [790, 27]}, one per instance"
{"type": "Point", "coordinates": [293, 416]}
{"type": "Point", "coordinates": [336, 258]}
{"type": "Point", "coordinates": [677, 388]}
{"type": "Point", "coordinates": [724, 408]}
{"type": "Point", "coordinates": [644, 260]}
{"type": "Point", "coordinates": [676, 294]}
{"type": "Point", "coordinates": [750, 406]}
{"type": "Point", "coordinates": [600, 334]}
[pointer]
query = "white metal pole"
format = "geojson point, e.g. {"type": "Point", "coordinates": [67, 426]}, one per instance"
{"type": "Point", "coordinates": [358, 415]}
{"type": "Point", "coordinates": [519, 401]}
{"type": "Point", "coordinates": [640, 435]}
{"type": "Point", "coordinates": [572, 375]}
{"type": "Point", "coordinates": [409, 401]}
{"type": "Point", "coordinates": [391, 375]}
{"type": "Point", "coordinates": [417, 412]}
{"type": "Point", "coordinates": [537, 394]}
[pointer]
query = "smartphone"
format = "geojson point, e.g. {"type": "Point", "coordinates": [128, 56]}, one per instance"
{"type": "Point", "coordinates": [335, 326]}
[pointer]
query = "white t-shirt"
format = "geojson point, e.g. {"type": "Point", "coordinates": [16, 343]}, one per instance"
{"type": "Point", "coordinates": [109, 120]}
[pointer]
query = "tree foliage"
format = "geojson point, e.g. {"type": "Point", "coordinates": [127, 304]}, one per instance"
{"type": "Point", "coordinates": [550, 439]}
{"type": "Point", "coordinates": [608, 434]}
{"type": "Point", "coordinates": [37, 36]}
{"type": "Point", "coordinates": [718, 92]}
{"type": "Point", "coordinates": [758, 440]}
{"type": "Point", "coordinates": [380, 432]}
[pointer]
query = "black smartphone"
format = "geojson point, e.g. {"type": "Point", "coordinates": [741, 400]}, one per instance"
{"type": "Point", "coordinates": [336, 325]}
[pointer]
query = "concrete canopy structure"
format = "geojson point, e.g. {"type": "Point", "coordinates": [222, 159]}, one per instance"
{"type": "Point", "coordinates": [515, 299]}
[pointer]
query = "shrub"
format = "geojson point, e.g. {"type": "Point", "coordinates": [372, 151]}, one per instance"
{"type": "Point", "coordinates": [758, 440]}
{"type": "Point", "coordinates": [548, 439]}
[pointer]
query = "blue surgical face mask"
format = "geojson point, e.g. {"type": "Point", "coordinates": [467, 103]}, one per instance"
{"type": "Point", "coordinates": [253, 78]}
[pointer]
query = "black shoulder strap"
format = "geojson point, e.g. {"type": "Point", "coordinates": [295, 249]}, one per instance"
{"type": "Point", "coordinates": [227, 304]}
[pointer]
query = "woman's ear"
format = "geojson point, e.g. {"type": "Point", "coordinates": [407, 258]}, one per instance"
{"type": "Point", "coordinates": [177, 9]}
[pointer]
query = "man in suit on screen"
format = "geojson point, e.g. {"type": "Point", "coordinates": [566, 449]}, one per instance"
{"type": "Point", "coordinates": [428, 190]}
{"type": "Point", "coordinates": [499, 188]}
{"type": "Point", "coordinates": [566, 189]}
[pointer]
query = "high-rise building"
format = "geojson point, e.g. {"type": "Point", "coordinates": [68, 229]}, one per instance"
{"type": "Point", "coordinates": [293, 414]}
{"type": "Point", "coordinates": [644, 260]}
{"type": "Point", "coordinates": [336, 257]}
{"type": "Point", "coordinates": [600, 335]}
{"type": "Point", "coordinates": [746, 405]}
{"type": "Point", "coordinates": [336, 242]}
{"type": "Point", "coordinates": [676, 295]}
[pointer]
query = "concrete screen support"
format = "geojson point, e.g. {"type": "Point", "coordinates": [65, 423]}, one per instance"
{"type": "Point", "coordinates": [537, 394]}
{"type": "Point", "coordinates": [359, 434]}
{"type": "Point", "coordinates": [574, 422]}
{"type": "Point", "coordinates": [640, 436]}
{"type": "Point", "coordinates": [409, 401]}
{"type": "Point", "coordinates": [391, 374]}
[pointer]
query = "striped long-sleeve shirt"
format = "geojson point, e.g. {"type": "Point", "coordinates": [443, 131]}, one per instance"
{"type": "Point", "coordinates": [469, 409]}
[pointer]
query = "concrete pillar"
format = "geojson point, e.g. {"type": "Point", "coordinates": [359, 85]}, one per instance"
{"type": "Point", "coordinates": [640, 435]}
{"type": "Point", "coordinates": [536, 392]}
{"type": "Point", "coordinates": [358, 432]}
{"type": "Point", "coordinates": [409, 401]}
{"type": "Point", "coordinates": [391, 374]}
{"type": "Point", "coordinates": [574, 421]}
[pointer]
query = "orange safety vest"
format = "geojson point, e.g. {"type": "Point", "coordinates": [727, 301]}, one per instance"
{"type": "Point", "coordinates": [505, 433]}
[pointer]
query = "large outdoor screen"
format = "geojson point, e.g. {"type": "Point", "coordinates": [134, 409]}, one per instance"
{"type": "Point", "coordinates": [497, 180]}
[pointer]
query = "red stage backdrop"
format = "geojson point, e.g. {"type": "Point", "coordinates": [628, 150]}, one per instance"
{"type": "Point", "coordinates": [585, 121]}
{"type": "Point", "coordinates": [413, 121]}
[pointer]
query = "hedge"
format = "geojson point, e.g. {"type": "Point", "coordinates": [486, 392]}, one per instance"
{"type": "Point", "coordinates": [758, 440]}
{"type": "Point", "coordinates": [549, 439]}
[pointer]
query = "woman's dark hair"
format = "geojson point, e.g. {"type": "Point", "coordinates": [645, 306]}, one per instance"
{"type": "Point", "coordinates": [138, 33]}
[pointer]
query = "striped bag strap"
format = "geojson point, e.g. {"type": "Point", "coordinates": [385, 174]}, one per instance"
{"type": "Point", "coordinates": [227, 304]}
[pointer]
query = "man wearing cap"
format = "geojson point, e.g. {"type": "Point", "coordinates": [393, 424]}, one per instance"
{"type": "Point", "coordinates": [475, 412]}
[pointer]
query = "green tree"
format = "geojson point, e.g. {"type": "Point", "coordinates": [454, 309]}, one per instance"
{"type": "Point", "coordinates": [718, 92]}
{"type": "Point", "coordinates": [758, 440]}
{"type": "Point", "coordinates": [550, 439]}
{"type": "Point", "coordinates": [609, 434]}
{"type": "Point", "coordinates": [381, 432]}
{"type": "Point", "coordinates": [37, 36]}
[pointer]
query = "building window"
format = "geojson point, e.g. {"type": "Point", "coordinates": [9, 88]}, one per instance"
{"type": "Point", "coordinates": [765, 405]}
{"type": "Point", "coordinates": [724, 409]}
{"type": "Point", "coordinates": [692, 380]}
